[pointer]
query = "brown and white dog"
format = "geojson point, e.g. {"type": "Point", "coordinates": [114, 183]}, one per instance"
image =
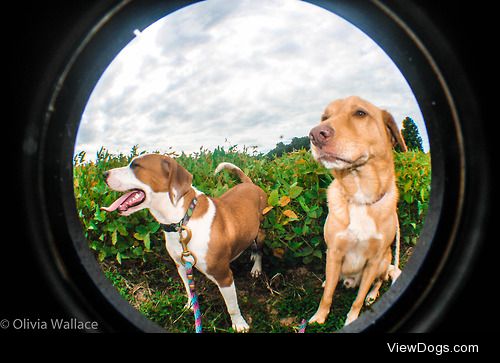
{"type": "Point", "coordinates": [222, 228]}
{"type": "Point", "coordinates": [354, 140]}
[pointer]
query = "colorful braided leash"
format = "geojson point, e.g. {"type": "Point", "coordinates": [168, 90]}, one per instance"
{"type": "Point", "coordinates": [181, 227]}
{"type": "Point", "coordinates": [302, 326]}
{"type": "Point", "coordinates": [194, 297]}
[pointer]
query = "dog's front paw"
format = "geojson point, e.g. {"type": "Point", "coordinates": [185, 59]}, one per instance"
{"type": "Point", "coordinates": [319, 317]}
{"type": "Point", "coordinates": [239, 324]}
{"type": "Point", "coordinates": [350, 318]}
{"type": "Point", "coordinates": [393, 273]}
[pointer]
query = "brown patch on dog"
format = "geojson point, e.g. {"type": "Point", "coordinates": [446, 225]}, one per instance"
{"type": "Point", "coordinates": [163, 174]}
{"type": "Point", "coordinates": [236, 225]}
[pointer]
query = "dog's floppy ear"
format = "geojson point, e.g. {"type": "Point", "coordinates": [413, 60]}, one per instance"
{"type": "Point", "coordinates": [394, 133]}
{"type": "Point", "coordinates": [179, 179]}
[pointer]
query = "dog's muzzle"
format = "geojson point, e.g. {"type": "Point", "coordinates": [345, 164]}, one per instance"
{"type": "Point", "coordinates": [320, 135]}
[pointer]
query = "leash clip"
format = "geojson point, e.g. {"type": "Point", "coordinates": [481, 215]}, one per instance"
{"type": "Point", "coordinates": [184, 242]}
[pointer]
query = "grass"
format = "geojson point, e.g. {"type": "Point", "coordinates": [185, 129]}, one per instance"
{"type": "Point", "coordinates": [276, 302]}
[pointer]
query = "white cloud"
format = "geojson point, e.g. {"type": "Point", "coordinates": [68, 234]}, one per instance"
{"type": "Point", "coordinates": [244, 71]}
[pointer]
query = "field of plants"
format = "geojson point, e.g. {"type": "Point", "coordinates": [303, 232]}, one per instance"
{"type": "Point", "coordinates": [132, 254]}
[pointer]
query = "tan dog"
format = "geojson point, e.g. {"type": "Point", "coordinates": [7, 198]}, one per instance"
{"type": "Point", "coordinates": [221, 228]}
{"type": "Point", "coordinates": [355, 140]}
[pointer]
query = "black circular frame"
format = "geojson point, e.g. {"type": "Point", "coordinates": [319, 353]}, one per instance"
{"type": "Point", "coordinates": [452, 230]}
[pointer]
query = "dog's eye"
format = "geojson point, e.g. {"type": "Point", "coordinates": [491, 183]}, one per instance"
{"type": "Point", "coordinates": [324, 117]}
{"type": "Point", "coordinates": [134, 165]}
{"type": "Point", "coordinates": [360, 113]}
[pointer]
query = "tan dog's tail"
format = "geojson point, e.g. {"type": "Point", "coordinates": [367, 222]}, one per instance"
{"type": "Point", "coordinates": [235, 170]}
{"type": "Point", "coordinates": [393, 271]}
{"type": "Point", "coordinates": [397, 244]}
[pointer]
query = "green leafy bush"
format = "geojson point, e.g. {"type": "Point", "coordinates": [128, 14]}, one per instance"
{"type": "Point", "coordinates": [109, 234]}
{"type": "Point", "coordinates": [294, 219]}
{"type": "Point", "coordinates": [413, 175]}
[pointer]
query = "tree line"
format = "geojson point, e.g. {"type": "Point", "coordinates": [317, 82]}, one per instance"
{"type": "Point", "coordinates": [410, 134]}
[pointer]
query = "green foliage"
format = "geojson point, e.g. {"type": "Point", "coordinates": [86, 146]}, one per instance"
{"type": "Point", "coordinates": [295, 185]}
{"type": "Point", "coordinates": [109, 234]}
{"type": "Point", "coordinates": [413, 175]}
{"type": "Point", "coordinates": [297, 143]}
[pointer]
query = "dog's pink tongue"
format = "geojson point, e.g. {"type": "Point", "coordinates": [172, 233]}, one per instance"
{"type": "Point", "coordinates": [117, 202]}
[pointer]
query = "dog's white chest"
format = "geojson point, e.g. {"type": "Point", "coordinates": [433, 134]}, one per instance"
{"type": "Point", "coordinates": [361, 226]}
{"type": "Point", "coordinates": [198, 245]}
{"type": "Point", "coordinates": [359, 232]}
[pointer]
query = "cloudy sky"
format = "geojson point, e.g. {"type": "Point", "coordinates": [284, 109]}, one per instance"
{"type": "Point", "coordinates": [246, 72]}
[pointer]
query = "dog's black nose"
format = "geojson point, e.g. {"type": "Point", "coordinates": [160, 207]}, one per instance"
{"type": "Point", "coordinates": [320, 134]}
{"type": "Point", "coordinates": [105, 175]}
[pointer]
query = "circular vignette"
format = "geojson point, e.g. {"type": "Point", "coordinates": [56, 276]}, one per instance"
{"type": "Point", "coordinates": [452, 231]}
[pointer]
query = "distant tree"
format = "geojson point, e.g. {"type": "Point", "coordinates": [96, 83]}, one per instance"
{"type": "Point", "coordinates": [411, 135]}
{"type": "Point", "coordinates": [278, 150]}
{"type": "Point", "coordinates": [297, 143]}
